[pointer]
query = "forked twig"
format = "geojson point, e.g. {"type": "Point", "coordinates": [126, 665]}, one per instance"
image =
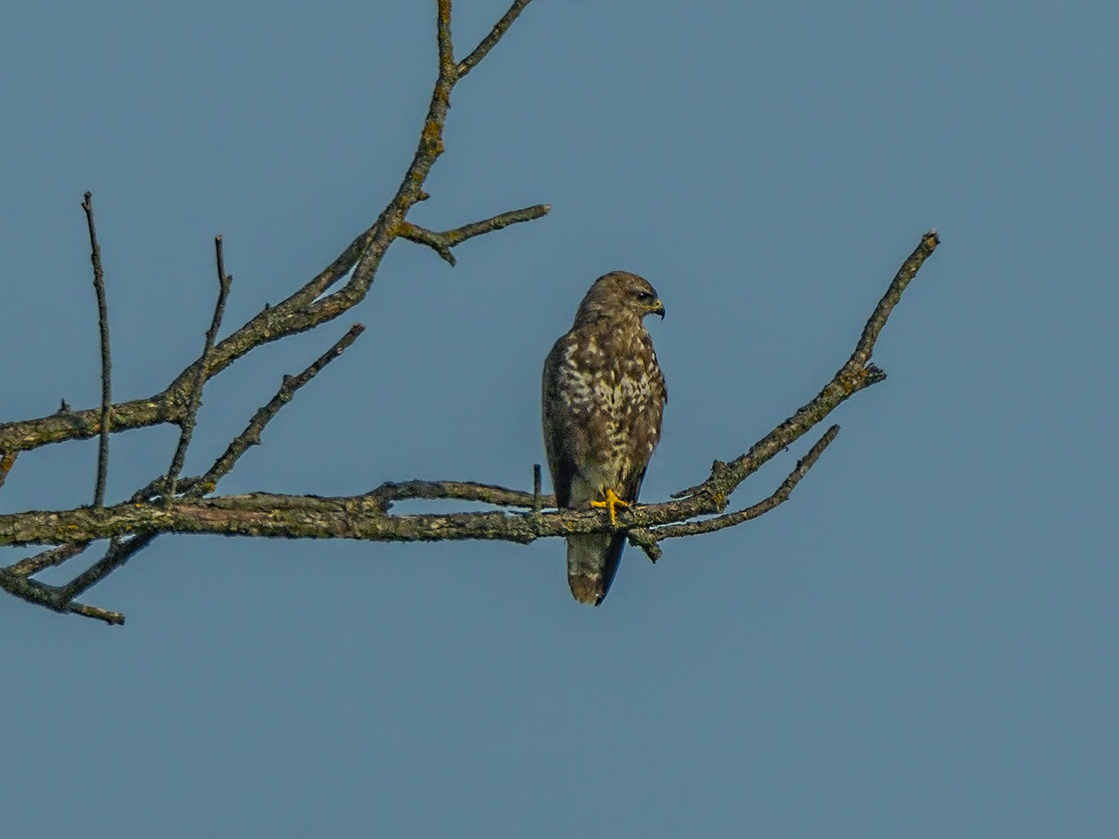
{"type": "Point", "coordinates": [51, 597]}
{"type": "Point", "coordinates": [647, 539]}
{"type": "Point", "coordinates": [442, 242]}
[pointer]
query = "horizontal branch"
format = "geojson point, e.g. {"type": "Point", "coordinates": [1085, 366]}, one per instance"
{"type": "Point", "coordinates": [364, 517]}
{"type": "Point", "coordinates": [387, 493]}
{"type": "Point", "coordinates": [314, 517]}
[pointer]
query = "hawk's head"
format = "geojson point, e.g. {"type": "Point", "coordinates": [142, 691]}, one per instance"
{"type": "Point", "coordinates": [619, 294]}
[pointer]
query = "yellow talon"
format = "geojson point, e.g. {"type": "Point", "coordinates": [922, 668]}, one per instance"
{"type": "Point", "coordinates": [612, 501]}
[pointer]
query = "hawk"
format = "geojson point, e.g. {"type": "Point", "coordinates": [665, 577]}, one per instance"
{"type": "Point", "coordinates": [603, 397]}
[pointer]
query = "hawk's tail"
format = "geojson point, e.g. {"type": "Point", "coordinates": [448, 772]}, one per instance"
{"type": "Point", "coordinates": [592, 562]}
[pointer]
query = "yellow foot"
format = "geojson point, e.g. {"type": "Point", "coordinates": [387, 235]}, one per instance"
{"type": "Point", "coordinates": [612, 501]}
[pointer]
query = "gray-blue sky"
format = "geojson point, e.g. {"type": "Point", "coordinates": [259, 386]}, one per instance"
{"type": "Point", "coordinates": [921, 643]}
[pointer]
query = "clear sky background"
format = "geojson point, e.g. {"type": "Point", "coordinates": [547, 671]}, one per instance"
{"type": "Point", "coordinates": [923, 642]}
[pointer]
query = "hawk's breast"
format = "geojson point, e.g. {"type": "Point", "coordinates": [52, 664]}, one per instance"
{"type": "Point", "coordinates": [612, 388]}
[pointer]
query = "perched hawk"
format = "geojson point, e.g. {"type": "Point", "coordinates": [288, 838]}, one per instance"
{"type": "Point", "coordinates": [603, 396]}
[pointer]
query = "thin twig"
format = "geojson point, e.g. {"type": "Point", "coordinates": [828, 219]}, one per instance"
{"type": "Point", "coordinates": [490, 41]}
{"type": "Point", "coordinates": [47, 559]}
{"type": "Point", "coordinates": [648, 539]}
{"type": "Point", "coordinates": [251, 435]}
{"type": "Point", "coordinates": [537, 499]}
{"type": "Point", "coordinates": [97, 613]}
{"type": "Point", "coordinates": [119, 552]}
{"type": "Point", "coordinates": [780, 495]}
{"type": "Point", "coordinates": [890, 299]}
{"type": "Point", "coordinates": [191, 417]}
{"type": "Point", "coordinates": [51, 597]}
{"type": "Point", "coordinates": [387, 493]}
{"type": "Point", "coordinates": [106, 359]}
{"type": "Point", "coordinates": [442, 242]}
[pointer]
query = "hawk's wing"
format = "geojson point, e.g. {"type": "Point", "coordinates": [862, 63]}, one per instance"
{"type": "Point", "coordinates": [559, 425]}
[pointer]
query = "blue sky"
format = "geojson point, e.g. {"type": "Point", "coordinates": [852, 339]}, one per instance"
{"type": "Point", "coordinates": [922, 642]}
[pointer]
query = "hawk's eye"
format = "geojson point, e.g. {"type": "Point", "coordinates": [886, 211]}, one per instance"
{"type": "Point", "coordinates": [646, 297]}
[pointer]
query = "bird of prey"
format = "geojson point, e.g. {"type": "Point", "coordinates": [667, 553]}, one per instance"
{"type": "Point", "coordinates": [603, 397]}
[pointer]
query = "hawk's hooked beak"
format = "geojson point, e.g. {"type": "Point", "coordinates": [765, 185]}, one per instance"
{"type": "Point", "coordinates": [657, 308]}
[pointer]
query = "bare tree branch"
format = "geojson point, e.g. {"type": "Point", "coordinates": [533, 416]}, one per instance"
{"type": "Point", "coordinates": [47, 559]}
{"type": "Point", "coordinates": [50, 597]}
{"type": "Point", "coordinates": [387, 493]}
{"type": "Point", "coordinates": [31, 591]}
{"type": "Point", "coordinates": [442, 243]}
{"type": "Point", "coordinates": [106, 359]}
{"type": "Point", "coordinates": [97, 613]}
{"type": "Point", "coordinates": [856, 375]}
{"type": "Point", "coordinates": [199, 486]}
{"type": "Point", "coordinates": [251, 435]}
{"type": "Point", "coordinates": [647, 539]}
{"type": "Point", "coordinates": [117, 554]}
{"type": "Point", "coordinates": [490, 41]}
